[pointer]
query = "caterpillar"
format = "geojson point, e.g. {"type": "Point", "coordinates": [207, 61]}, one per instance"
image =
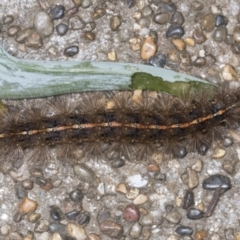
{"type": "Point", "coordinates": [125, 124]}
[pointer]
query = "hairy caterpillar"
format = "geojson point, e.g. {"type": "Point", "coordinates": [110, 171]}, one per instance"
{"type": "Point", "coordinates": [123, 124]}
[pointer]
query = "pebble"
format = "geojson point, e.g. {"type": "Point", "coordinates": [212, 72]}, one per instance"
{"type": "Point", "coordinates": [131, 213]}
{"type": "Point", "coordinates": [89, 36]}
{"type": "Point", "coordinates": [140, 199]}
{"type": "Point", "coordinates": [14, 236]}
{"type": "Point", "coordinates": [189, 41]}
{"type": "Point", "coordinates": [57, 227]}
{"type": "Point", "coordinates": [177, 18]}
{"type": "Point", "coordinates": [131, 3]}
{"type": "Point", "coordinates": [132, 193]}
{"type": "Point", "coordinates": [90, 26]}
{"type": "Point", "coordinates": [215, 181]}
{"type": "Point", "coordinates": [61, 29]}
{"type": "Point", "coordinates": [72, 11]}
{"type": "Point", "coordinates": [115, 22]}
{"type": "Point", "coordinates": [83, 218]}
{"type": "Point", "coordinates": [235, 48]}
{"type": "Point", "coordinates": [84, 172]}
{"type": "Point", "coordinates": [27, 184]}
{"type": "Point", "coordinates": [219, 153]}
{"type": "Point", "coordinates": [147, 220]}
{"type": "Point", "coordinates": [220, 34]}
{"type": "Point", "coordinates": [77, 3]}
{"type": "Point", "coordinates": [4, 230]}
{"type": "Point", "coordinates": [188, 199]}
{"type": "Point", "coordinates": [148, 48]}
{"type": "Point", "coordinates": [161, 18]}
{"type": "Point", "coordinates": [208, 22]}
{"type": "Point", "coordinates": [229, 72]}
{"type": "Point", "coordinates": [158, 60]}
{"type": "Point", "coordinates": [76, 231]}
{"type": "Point", "coordinates": [57, 12]}
{"type": "Point", "coordinates": [197, 166]}
{"type": "Point", "coordinates": [199, 37]}
{"type": "Point", "coordinates": [200, 235]}
{"type": "Point", "coordinates": [175, 32]}
{"type": "Point", "coordinates": [17, 217]}
{"type": "Point", "coordinates": [72, 214]}
{"type": "Point", "coordinates": [33, 217]}
{"type": "Point", "coordinates": [236, 34]}
{"type": "Point", "coordinates": [169, 7]}
{"type": "Point", "coordinates": [56, 236]}
{"type": "Point", "coordinates": [174, 217]}
{"type": "Point", "coordinates": [199, 62]}
{"type": "Point", "coordinates": [41, 226]}
{"type": "Point", "coordinates": [237, 236]}
{"type": "Point", "coordinates": [23, 34]}
{"type": "Point", "coordinates": [160, 176]}
{"type": "Point", "coordinates": [192, 178]}
{"type": "Point", "coordinates": [76, 23]}
{"type": "Point", "coordinates": [197, 6]}
{"type": "Point", "coordinates": [111, 229]}
{"type": "Point", "coordinates": [20, 191]}
{"type": "Point", "coordinates": [193, 213]}
{"type": "Point", "coordinates": [228, 141]}
{"type": "Point", "coordinates": [56, 213]}
{"type": "Point", "coordinates": [136, 230]}
{"type": "Point", "coordinates": [43, 24]}
{"type": "Point", "coordinates": [221, 20]}
{"type": "Point", "coordinates": [27, 205]}
{"type": "Point", "coordinates": [86, 3]}
{"type": "Point", "coordinates": [147, 11]}
{"type": "Point", "coordinates": [152, 167]}
{"type": "Point", "coordinates": [13, 30]}
{"type": "Point", "coordinates": [98, 13]}
{"type": "Point", "coordinates": [8, 19]}
{"type": "Point", "coordinates": [34, 41]}
{"type": "Point", "coordinates": [121, 188]}
{"type": "Point", "coordinates": [229, 167]}
{"type": "Point", "coordinates": [112, 56]}
{"type": "Point", "coordinates": [184, 231]}
{"type": "Point", "coordinates": [93, 236]}
{"type": "Point", "coordinates": [76, 195]}
{"type": "Point", "coordinates": [179, 44]}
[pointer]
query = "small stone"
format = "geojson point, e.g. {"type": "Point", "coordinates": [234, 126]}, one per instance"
{"type": "Point", "coordinates": [228, 141]}
{"type": "Point", "coordinates": [111, 229]}
{"type": "Point", "coordinates": [140, 199]}
{"type": "Point", "coordinates": [77, 3]}
{"type": "Point", "coordinates": [20, 191]}
{"type": "Point", "coordinates": [173, 217]}
{"type": "Point", "coordinates": [136, 230]}
{"type": "Point", "coordinates": [84, 172]}
{"type": "Point", "coordinates": [153, 167]}
{"type": "Point", "coordinates": [43, 24]}
{"type": "Point", "coordinates": [71, 51]}
{"type": "Point", "coordinates": [177, 18]}
{"type": "Point", "coordinates": [93, 236]}
{"type": "Point", "coordinates": [34, 41]}
{"type": "Point", "coordinates": [229, 39]}
{"type": "Point", "coordinates": [76, 195]}
{"type": "Point", "coordinates": [56, 213]}
{"type": "Point", "coordinates": [200, 206]}
{"type": "Point", "coordinates": [61, 29]}
{"type": "Point", "coordinates": [56, 236]}
{"type": "Point", "coordinates": [199, 37]}
{"type": "Point", "coordinates": [121, 188]}
{"type": "Point", "coordinates": [208, 22]}
{"type": "Point", "coordinates": [131, 213]}
{"type": "Point", "coordinates": [235, 48]}
{"type": "Point", "coordinates": [179, 44]}
{"type": "Point", "coordinates": [189, 41]}
{"type": "Point", "coordinates": [175, 32]}
{"type": "Point", "coordinates": [98, 13]}
{"type": "Point", "coordinates": [72, 215]}
{"type": "Point", "coordinates": [188, 199]}
{"type": "Point", "coordinates": [183, 231]}
{"type": "Point", "coordinates": [112, 56]}
{"type": "Point", "coordinates": [200, 235]}
{"type": "Point", "coordinates": [27, 184]}
{"type": "Point", "coordinates": [23, 34]}
{"type": "Point", "coordinates": [192, 178]}
{"type": "Point", "coordinates": [160, 176]}
{"type": "Point", "coordinates": [57, 12]}
{"type": "Point", "coordinates": [220, 20]}
{"type": "Point", "coordinates": [148, 48]}
{"type": "Point", "coordinates": [115, 22]}
{"type": "Point", "coordinates": [89, 36]}
{"type": "Point", "coordinates": [197, 6]}
{"type": "Point", "coordinates": [158, 61]}
{"type": "Point", "coordinates": [33, 217]}
{"type": "Point", "coordinates": [169, 208]}
{"type": "Point", "coordinates": [41, 226]}
{"type": "Point", "coordinates": [161, 18]}
{"type": "Point", "coordinates": [86, 3]}
{"type": "Point", "coordinates": [13, 30]}
{"type": "Point", "coordinates": [236, 34]}
{"type": "Point", "coordinates": [8, 19]}
{"type": "Point", "coordinates": [220, 34]}
{"type": "Point", "coordinates": [90, 26]}
{"type": "Point", "coordinates": [229, 167]}
{"type": "Point", "coordinates": [169, 7]}
{"type": "Point", "coordinates": [229, 73]}
{"type": "Point", "coordinates": [57, 227]}
{"type": "Point", "coordinates": [147, 220]}
{"type": "Point", "coordinates": [199, 62]}
{"type": "Point", "coordinates": [76, 23]}
{"type": "Point", "coordinates": [219, 153]}
{"type": "Point", "coordinates": [4, 230]}
{"type": "Point", "coordinates": [72, 11]}
{"type": "Point", "coordinates": [27, 205]}
{"type": "Point", "coordinates": [14, 236]}
{"type": "Point", "coordinates": [118, 163]}
{"type": "Point", "coordinates": [197, 166]}
{"type": "Point", "coordinates": [147, 11]}
{"type": "Point", "coordinates": [193, 214]}
{"type": "Point", "coordinates": [216, 181]}
{"type": "Point", "coordinates": [173, 56]}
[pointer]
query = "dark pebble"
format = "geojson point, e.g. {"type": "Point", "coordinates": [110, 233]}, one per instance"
{"type": "Point", "coordinates": [220, 34]}
{"type": "Point", "coordinates": [220, 20]}
{"type": "Point", "coordinates": [8, 19]}
{"type": "Point", "coordinates": [131, 213]}
{"type": "Point", "coordinates": [72, 215]}
{"type": "Point", "coordinates": [188, 199]}
{"type": "Point", "coordinates": [89, 35]}
{"type": "Point", "coordinates": [183, 231]}
{"type": "Point", "coordinates": [154, 36]}
{"type": "Point", "coordinates": [160, 176]}
{"type": "Point", "coordinates": [17, 217]}
{"type": "Point", "coordinates": [199, 37]}
{"type": "Point", "coordinates": [202, 148]}
{"type": "Point", "coordinates": [62, 29]}
{"type": "Point", "coordinates": [41, 181]}
{"type": "Point", "coordinates": [83, 218]}
{"type": "Point", "coordinates": [20, 191]}
{"type": "Point", "coordinates": [76, 195]}
{"type": "Point", "coordinates": [161, 18]}
{"type": "Point", "coordinates": [193, 213]}
{"type": "Point", "coordinates": [27, 184]}
{"type": "Point", "coordinates": [228, 141]}
{"type": "Point", "coordinates": [131, 3]}
{"type": "Point", "coordinates": [57, 227]}
{"type": "Point", "coordinates": [169, 208]}
{"type": "Point", "coordinates": [57, 12]}
{"type": "Point", "coordinates": [56, 213]}
{"type": "Point", "coordinates": [197, 6]}
{"type": "Point", "coordinates": [235, 48]}
{"type": "Point", "coordinates": [169, 7]}
{"type": "Point", "coordinates": [216, 181]}
{"type": "Point", "coordinates": [118, 163]}
{"type": "Point", "coordinates": [103, 216]}
{"type": "Point", "coordinates": [229, 40]}
{"type": "Point", "coordinates": [71, 51]}
{"type": "Point", "coordinates": [175, 32]}
{"type": "Point", "coordinates": [158, 60]}
{"type": "Point", "coordinates": [111, 229]}
{"type": "Point", "coordinates": [177, 19]}
{"type": "Point", "coordinates": [199, 62]}
{"type": "Point", "coordinates": [208, 22]}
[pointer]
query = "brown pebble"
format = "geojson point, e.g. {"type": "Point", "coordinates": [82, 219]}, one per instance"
{"type": "Point", "coordinates": [229, 72]}
{"type": "Point", "coordinates": [27, 205]}
{"type": "Point", "coordinates": [98, 12]}
{"type": "Point", "coordinates": [153, 167]}
{"type": "Point", "coordinates": [179, 44]}
{"type": "Point", "coordinates": [148, 48]}
{"type": "Point", "coordinates": [93, 236]}
{"type": "Point", "coordinates": [111, 229]}
{"type": "Point", "coordinates": [121, 188]}
{"type": "Point", "coordinates": [77, 3]}
{"type": "Point", "coordinates": [89, 36]}
{"type": "Point", "coordinates": [161, 18]}
{"type": "Point", "coordinates": [34, 41]}
{"type": "Point", "coordinates": [131, 213]}
{"type": "Point", "coordinates": [115, 23]}
{"type": "Point", "coordinates": [208, 22]}
{"type": "Point", "coordinates": [189, 41]}
{"type": "Point", "coordinates": [199, 37]}
{"type": "Point", "coordinates": [229, 167]}
{"type": "Point", "coordinates": [173, 56]}
{"type": "Point", "coordinates": [112, 56]}
{"type": "Point", "coordinates": [33, 217]}
{"type": "Point", "coordinates": [200, 235]}
{"type": "Point", "coordinates": [13, 30]}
